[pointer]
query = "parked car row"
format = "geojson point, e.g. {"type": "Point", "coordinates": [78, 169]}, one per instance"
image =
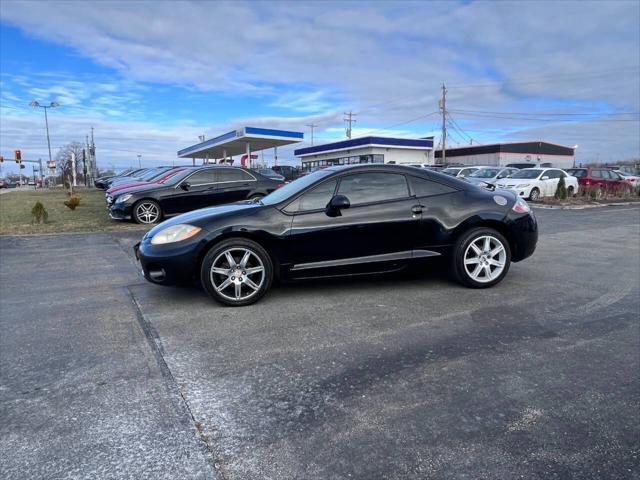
{"type": "Point", "coordinates": [172, 190]}
{"type": "Point", "coordinates": [531, 183]}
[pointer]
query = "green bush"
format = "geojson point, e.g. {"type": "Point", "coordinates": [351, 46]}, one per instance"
{"type": "Point", "coordinates": [39, 213]}
{"type": "Point", "coordinates": [72, 202]}
{"type": "Point", "coordinates": [561, 191]}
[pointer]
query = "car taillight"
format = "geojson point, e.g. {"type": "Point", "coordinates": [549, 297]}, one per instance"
{"type": "Point", "coordinates": [521, 206]}
{"type": "Point", "coordinates": [280, 185]}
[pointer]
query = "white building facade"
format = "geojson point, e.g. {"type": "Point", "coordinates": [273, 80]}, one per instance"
{"type": "Point", "coordinates": [537, 153]}
{"type": "Point", "coordinates": [367, 150]}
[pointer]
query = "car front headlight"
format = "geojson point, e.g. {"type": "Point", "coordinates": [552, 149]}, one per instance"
{"type": "Point", "coordinates": [123, 198]}
{"type": "Point", "coordinates": [524, 185]}
{"type": "Point", "coordinates": [175, 233]}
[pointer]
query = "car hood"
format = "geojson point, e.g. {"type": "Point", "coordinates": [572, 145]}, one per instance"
{"type": "Point", "coordinates": [123, 186]}
{"type": "Point", "coordinates": [146, 187]}
{"type": "Point", "coordinates": [516, 181]}
{"type": "Point", "coordinates": [204, 216]}
{"type": "Point", "coordinates": [477, 180]}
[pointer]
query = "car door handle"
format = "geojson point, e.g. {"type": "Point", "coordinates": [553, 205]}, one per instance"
{"type": "Point", "coordinates": [417, 209]}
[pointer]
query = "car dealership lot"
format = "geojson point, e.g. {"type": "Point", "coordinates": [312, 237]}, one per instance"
{"type": "Point", "coordinates": [403, 376]}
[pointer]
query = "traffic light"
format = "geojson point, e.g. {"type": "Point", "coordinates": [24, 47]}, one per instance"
{"type": "Point", "coordinates": [1, 159]}
{"type": "Point", "coordinates": [18, 156]}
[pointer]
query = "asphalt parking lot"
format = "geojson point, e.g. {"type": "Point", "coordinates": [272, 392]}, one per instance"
{"type": "Point", "coordinates": [406, 376]}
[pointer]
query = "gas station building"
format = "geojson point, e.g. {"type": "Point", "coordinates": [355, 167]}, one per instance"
{"type": "Point", "coordinates": [244, 142]}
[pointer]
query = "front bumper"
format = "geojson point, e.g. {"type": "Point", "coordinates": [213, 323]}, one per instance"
{"type": "Point", "coordinates": [170, 264]}
{"type": "Point", "coordinates": [120, 211]}
{"type": "Point", "coordinates": [524, 235]}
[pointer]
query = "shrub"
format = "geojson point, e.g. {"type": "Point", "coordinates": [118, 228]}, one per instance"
{"type": "Point", "coordinates": [39, 213]}
{"type": "Point", "coordinates": [72, 202]}
{"type": "Point", "coordinates": [561, 190]}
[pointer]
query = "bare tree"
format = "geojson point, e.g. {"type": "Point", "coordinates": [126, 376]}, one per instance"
{"type": "Point", "coordinates": [64, 164]}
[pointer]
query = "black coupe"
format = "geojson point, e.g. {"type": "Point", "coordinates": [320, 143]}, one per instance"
{"type": "Point", "coordinates": [190, 189]}
{"type": "Point", "coordinates": [342, 221]}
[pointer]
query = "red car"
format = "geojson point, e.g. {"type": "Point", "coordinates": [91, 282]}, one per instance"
{"type": "Point", "coordinates": [159, 178]}
{"type": "Point", "coordinates": [603, 179]}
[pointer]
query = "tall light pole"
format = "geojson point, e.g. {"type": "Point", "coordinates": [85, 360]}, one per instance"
{"type": "Point", "coordinates": [36, 104]}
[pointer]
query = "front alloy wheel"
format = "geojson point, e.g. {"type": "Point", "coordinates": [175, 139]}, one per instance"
{"type": "Point", "coordinates": [147, 211]}
{"type": "Point", "coordinates": [481, 258]}
{"type": "Point", "coordinates": [237, 272]}
{"type": "Point", "coordinates": [535, 194]}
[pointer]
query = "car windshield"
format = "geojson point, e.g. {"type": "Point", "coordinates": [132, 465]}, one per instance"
{"type": "Point", "coordinates": [172, 180]}
{"type": "Point", "coordinates": [577, 172]}
{"type": "Point", "coordinates": [155, 172]}
{"type": "Point", "coordinates": [527, 173]}
{"type": "Point", "coordinates": [291, 189]}
{"type": "Point", "coordinates": [485, 173]}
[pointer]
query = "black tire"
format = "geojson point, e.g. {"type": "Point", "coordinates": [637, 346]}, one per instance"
{"type": "Point", "coordinates": [460, 251]}
{"type": "Point", "coordinates": [534, 194]}
{"type": "Point", "coordinates": [217, 254]}
{"type": "Point", "coordinates": [139, 209]}
{"type": "Point", "coordinates": [256, 196]}
{"type": "Point", "coordinates": [570, 192]}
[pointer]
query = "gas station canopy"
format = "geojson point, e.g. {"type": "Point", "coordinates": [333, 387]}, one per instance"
{"type": "Point", "coordinates": [240, 142]}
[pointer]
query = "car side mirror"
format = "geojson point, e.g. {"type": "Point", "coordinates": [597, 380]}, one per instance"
{"type": "Point", "coordinates": [185, 186]}
{"type": "Point", "coordinates": [336, 204]}
{"type": "Point", "coordinates": [545, 177]}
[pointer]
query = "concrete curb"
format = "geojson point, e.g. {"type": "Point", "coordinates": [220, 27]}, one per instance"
{"type": "Point", "coordinates": [582, 207]}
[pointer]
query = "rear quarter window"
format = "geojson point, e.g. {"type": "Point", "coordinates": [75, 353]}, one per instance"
{"type": "Point", "coordinates": [422, 187]}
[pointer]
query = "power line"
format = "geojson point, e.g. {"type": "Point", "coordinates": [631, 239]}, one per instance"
{"type": "Point", "coordinates": [547, 113]}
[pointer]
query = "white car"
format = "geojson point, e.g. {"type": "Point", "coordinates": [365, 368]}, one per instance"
{"type": "Point", "coordinates": [632, 180]}
{"type": "Point", "coordinates": [460, 171]}
{"type": "Point", "coordinates": [490, 175]}
{"type": "Point", "coordinates": [535, 183]}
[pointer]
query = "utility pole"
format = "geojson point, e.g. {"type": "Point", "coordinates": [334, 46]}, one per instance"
{"type": "Point", "coordinates": [139, 162]}
{"type": "Point", "coordinates": [312, 126]}
{"type": "Point", "coordinates": [349, 120]}
{"type": "Point", "coordinates": [443, 108]}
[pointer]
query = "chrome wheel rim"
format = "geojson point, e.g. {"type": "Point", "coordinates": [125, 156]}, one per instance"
{"type": "Point", "coordinates": [147, 212]}
{"type": "Point", "coordinates": [237, 274]}
{"type": "Point", "coordinates": [535, 194]}
{"type": "Point", "coordinates": [485, 259]}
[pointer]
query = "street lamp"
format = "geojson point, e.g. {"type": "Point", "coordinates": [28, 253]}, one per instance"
{"type": "Point", "coordinates": [36, 104]}
{"type": "Point", "coordinates": [139, 162]}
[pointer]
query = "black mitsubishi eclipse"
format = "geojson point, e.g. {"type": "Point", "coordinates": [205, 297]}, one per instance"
{"type": "Point", "coordinates": [342, 221]}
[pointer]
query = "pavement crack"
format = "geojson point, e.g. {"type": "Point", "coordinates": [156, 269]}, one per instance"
{"type": "Point", "coordinates": [176, 396]}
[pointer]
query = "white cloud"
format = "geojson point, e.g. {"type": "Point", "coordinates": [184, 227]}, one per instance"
{"type": "Point", "coordinates": [385, 60]}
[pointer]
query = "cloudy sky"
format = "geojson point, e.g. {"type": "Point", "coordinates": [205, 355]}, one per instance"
{"type": "Point", "coordinates": [152, 76]}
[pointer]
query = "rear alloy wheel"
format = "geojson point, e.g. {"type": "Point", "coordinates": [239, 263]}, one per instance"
{"type": "Point", "coordinates": [147, 211]}
{"type": "Point", "coordinates": [481, 258]}
{"type": "Point", "coordinates": [535, 194]}
{"type": "Point", "coordinates": [570, 192]}
{"type": "Point", "coordinates": [256, 197]}
{"type": "Point", "coordinates": [237, 272]}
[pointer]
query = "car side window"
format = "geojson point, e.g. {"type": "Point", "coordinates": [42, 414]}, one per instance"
{"type": "Point", "coordinates": [552, 174]}
{"type": "Point", "coordinates": [203, 177]}
{"type": "Point", "coordinates": [373, 187]}
{"type": "Point", "coordinates": [233, 175]}
{"type": "Point", "coordinates": [596, 173]}
{"type": "Point", "coordinates": [315, 199]}
{"type": "Point", "coordinates": [422, 187]}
